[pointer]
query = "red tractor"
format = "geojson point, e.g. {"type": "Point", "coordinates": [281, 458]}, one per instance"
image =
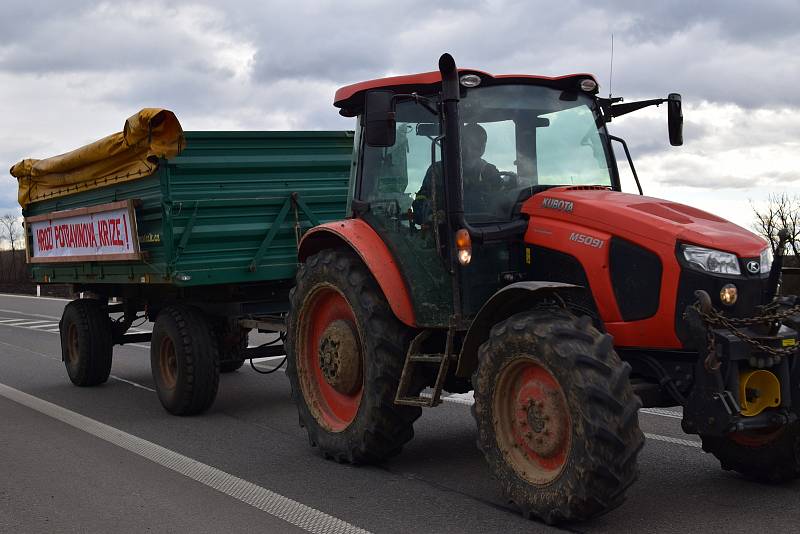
{"type": "Point", "coordinates": [490, 248]}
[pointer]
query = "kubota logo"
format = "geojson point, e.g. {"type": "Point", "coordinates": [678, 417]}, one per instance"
{"type": "Point", "coordinates": [557, 204]}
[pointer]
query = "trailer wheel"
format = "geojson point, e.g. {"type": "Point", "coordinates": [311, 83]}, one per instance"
{"type": "Point", "coordinates": [86, 344]}
{"type": "Point", "coordinates": [184, 360]}
{"type": "Point", "coordinates": [345, 355]}
{"type": "Point", "coordinates": [771, 456]}
{"type": "Point", "coordinates": [232, 345]}
{"type": "Point", "coordinates": [557, 418]}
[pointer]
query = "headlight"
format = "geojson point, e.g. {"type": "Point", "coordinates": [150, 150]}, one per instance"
{"type": "Point", "coordinates": [766, 260]}
{"type": "Point", "coordinates": [710, 260]}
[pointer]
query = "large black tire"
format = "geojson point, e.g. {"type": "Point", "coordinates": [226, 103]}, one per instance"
{"type": "Point", "coordinates": [557, 417]}
{"type": "Point", "coordinates": [184, 360]}
{"type": "Point", "coordinates": [338, 314]}
{"type": "Point", "coordinates": [86, 344]}
{"type": "Point", "coordinates": [771, 457]}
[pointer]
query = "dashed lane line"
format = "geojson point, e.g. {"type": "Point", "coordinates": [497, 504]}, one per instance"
{"type": "Point", "coordinates": [676, 441]}
{"type": "Point", "coordinates": [662, 412]}
{"type": "Point", "coordinates": [293, 512]}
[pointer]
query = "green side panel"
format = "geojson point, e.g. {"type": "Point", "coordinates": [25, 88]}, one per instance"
{"type": "Point", "coordinates": [229, 209]}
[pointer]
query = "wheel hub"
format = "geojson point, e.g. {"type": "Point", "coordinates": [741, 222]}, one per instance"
{"type": "Point", "coordinates": [532, 421]}
{"type": "Point", "coordinates": [340, 357]}
{"type": "Point", "coordinates": [541, 417]}
{"type": "Point", "coordinates": [72, 344]}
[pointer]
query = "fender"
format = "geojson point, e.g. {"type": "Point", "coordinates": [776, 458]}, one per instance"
{"type": "Point", "coordinates": [511, 299]}
{"type": "Point", "coordinates": [364, 241]}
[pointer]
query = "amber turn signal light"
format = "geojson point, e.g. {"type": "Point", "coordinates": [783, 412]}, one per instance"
{"type": "Point", "coordinates": [463, 246]}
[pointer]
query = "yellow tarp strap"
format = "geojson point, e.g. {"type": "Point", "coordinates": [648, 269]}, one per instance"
{"type": "Point", "coordinates": [130, 154]}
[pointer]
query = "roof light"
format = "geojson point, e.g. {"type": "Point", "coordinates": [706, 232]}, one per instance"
{"type": "Point", "coordinates": [470, 80]}
{"type": "Point", "coordinates": [588, 85]}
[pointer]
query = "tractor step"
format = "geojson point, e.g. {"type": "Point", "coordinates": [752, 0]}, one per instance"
{"type": "Point", "coordinates": [414, 357]}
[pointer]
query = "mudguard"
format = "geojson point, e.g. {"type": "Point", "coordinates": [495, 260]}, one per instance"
{"type": "Point", "coordinates": [364, 241]}
{"type": "Point", "coordinates": [511, 299]}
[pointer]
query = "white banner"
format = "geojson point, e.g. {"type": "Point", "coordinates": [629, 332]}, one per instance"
{"type": "Point", "coordinates": [94, 234]}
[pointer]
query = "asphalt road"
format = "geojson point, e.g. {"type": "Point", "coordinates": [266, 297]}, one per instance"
{"type": "Point", "coordinates": [111, 459]}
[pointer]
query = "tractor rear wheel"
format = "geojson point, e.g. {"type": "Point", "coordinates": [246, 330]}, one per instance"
{"type": "Point", "coordinates": [557, 417]}
{"type": "Point", "coordinates": [345, 355]}
{"type": "Point", "coordinates": [766, 456]}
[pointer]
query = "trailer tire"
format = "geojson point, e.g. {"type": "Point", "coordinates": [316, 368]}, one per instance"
{"type": "Point", "coordinates": [86, 342]}
{"type": "Point", "coordinates": [232, 346]}
{"type": "Point", "coordinates": [557, 417]}
{"type": "Point", "coordinates": [184, 360]}
{"type": "Point", "coordinates": [770, 457]}
{"type": "Point", "coordinates": [335, 303]}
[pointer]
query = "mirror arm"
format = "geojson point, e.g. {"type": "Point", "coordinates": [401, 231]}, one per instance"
{"type": "Point", "coordinates": [622, 109]}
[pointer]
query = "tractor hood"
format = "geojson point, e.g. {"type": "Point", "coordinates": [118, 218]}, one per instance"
{"type": "Point", "coordinates": [640, 218]}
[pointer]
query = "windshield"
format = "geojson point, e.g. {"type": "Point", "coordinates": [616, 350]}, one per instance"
{"type": "Point", "coordinates": [514, 138]}
{"type": "Point", "coordinates": [517, 137]}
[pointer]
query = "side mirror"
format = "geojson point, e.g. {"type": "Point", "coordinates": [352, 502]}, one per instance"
{"type": "Point", "coordinates": [379, 119]}
{"type": "Point", "coordinates": [675, 119]}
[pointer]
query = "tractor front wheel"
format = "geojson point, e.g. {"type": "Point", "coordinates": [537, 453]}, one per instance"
{"type": "Point", "coordinates": [345, 355]}
{"type": "Point", "coordinates": [771, 456]}
{"type": "Point", "coordinates": [557, 417]}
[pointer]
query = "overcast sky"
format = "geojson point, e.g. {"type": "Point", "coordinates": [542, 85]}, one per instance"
{"type": "Point", "coordinates": [72, 71]}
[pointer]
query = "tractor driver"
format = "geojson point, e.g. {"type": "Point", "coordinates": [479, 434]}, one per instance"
{"type": "Point", "coordinates": [480, 177]}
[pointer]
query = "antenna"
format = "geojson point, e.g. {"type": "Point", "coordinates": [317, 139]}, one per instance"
{"type": "Point", "coordinates": [611, 70]}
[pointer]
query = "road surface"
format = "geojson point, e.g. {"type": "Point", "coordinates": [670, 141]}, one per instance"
{"type": "Point", "coordinates": [111, 459]}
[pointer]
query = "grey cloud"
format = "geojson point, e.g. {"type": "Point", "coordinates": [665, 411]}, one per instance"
{"type": "Point", "coordinates": [713, 51]}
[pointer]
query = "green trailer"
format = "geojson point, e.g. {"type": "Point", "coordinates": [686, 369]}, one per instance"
{"type": "Point", "coordinates": [213, 233]}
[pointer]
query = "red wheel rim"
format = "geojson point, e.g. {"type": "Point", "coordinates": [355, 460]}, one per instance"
{"type": "Point", "coordinates": [532, 423]}
{"type": "Point", "coordinates": [327, 315]}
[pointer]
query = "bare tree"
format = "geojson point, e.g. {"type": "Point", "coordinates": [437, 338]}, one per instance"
{"type": "Point", "coordinates": [12, 231]}
{"type": "Point", "coordinates": [782, 211]}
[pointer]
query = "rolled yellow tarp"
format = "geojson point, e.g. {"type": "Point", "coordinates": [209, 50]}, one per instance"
{"type": "Point", "coordinates": [127, 155]}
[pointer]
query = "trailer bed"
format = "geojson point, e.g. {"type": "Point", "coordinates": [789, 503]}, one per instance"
{"type": "Point", "coordinates": [228, 209]}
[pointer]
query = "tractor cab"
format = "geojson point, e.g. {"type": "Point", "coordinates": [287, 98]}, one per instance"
{"type": "Point", "coordinates": [434, 159]}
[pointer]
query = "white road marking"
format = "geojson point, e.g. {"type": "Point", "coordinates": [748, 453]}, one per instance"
{"type": "Point", "coordinates": [131, 382]}
{"type": "Point", "coordinates": [662, 412]}
{"type": "Point", "coordinates": [30, 314]}
{"type": "Point", "coordinates": [33, 297]}
{"type": "Point", "coordinates": [676, 441]}
{"type": "Point", "coordinates": [12, 322]}
{"type": "Point", "coordinates": [289, 510]}
{"type": "Point", "coordinates": [30, 324]}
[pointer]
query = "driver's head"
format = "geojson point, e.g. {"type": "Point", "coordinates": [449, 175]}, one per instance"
{"type": "Point", "coordinates": [473, 142]}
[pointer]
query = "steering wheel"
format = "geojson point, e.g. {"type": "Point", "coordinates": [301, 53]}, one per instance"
{"type": "Point", "coordinates": [510, 179]}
